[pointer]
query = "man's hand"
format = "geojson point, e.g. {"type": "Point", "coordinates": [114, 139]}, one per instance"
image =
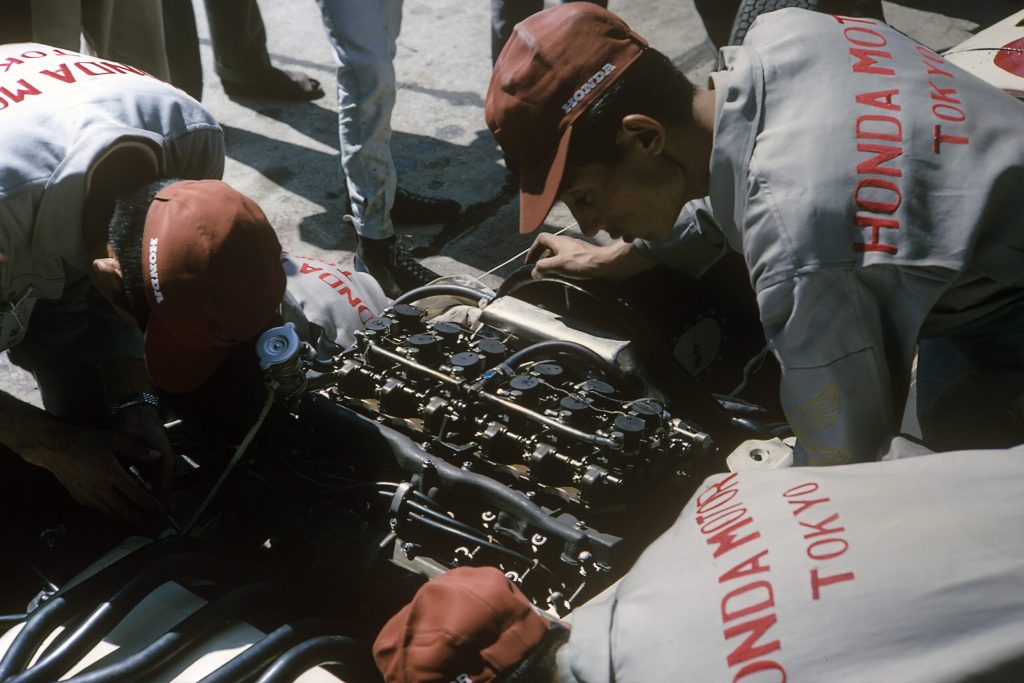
{"type": "Point", "coordinates": [142, 424]}
{"type": "Point", "coordinates": [92, 465]}
{"type": "Point", "coordinates": [575, 258]}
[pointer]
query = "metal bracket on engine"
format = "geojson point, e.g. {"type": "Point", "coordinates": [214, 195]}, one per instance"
{"type": "Point", "coordinates": [427, 481]}
{"type": "Point", "coordinates": [398, 501]}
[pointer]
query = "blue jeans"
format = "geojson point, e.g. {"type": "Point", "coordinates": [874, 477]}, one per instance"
{"type": "Point", "coordinates": [363, 35]}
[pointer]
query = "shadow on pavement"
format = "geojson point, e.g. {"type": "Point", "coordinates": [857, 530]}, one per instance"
{"type": "Point", "coordinates": [425, 164]}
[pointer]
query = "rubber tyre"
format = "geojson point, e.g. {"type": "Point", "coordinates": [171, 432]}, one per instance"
{"type": "Point", "coordinates": [751, 9]}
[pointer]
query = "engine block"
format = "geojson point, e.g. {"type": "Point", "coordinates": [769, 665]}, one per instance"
{"type": "Point", "coordinates": [505, 434]}
{"type": "Point", "coordinates": [556, 418]}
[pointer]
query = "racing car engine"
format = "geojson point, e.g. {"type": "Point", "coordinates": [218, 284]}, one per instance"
{"type": "Point", "coordinates": [567, 430]}
{"type": "Point", "coordinates": [525, 439]}
{"type": "Point", "coordinates": [530, 431]}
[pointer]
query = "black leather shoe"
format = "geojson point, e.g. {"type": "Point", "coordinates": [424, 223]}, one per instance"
{"type": "Point", "coordinates": [391, 264]}
{"type": "Point", "coordinates": [277, 84]}
{"type": "Point", "coordinates": [418, 209]}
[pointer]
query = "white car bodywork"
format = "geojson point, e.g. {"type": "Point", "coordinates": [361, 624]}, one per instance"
{"type": "Point", "coordinates": [995, 55]}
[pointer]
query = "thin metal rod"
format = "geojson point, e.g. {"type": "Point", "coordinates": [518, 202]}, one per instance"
{"type": "Point", "coordinates": [524, 251]}
{"type": "Point", "coordinates": [239, 452]}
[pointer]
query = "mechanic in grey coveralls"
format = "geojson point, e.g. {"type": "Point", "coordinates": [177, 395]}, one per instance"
{"type": "Point", "coordinates": [108, 186]}
{"type": "Point", "coordinates": [811, 582]}
{"type": "Point", "coordinates": [875, 191]}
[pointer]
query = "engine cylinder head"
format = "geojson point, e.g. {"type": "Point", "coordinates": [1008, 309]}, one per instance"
{"type": "Point", "coordinates": [527, 388]}
{"type": "Point", "coordinates": [649, 411]}
{"type": "Point", "coordinates": [428, 347]}
{"type": "Point", "coordinates": [492, 349]}
{"type": "Point", "coordinates": [574, 412]}
{"type": "Point", "coordinates": [548, 371]}
{"type": "Point", "coordinates": [448, 332]}
{"type": "Point", "coordinates": [631, 428]}
{"type": "Point", "coordinates": [470, 363]}
{"type": "Point", "coordinates": [408, 317]}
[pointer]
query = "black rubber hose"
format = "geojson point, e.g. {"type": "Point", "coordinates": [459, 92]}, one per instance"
{"type": "Point", "coordinates": [470, 538]}
{"type": "Point", "coordinates": [454, 480]}
{"type": "Point", "coordinates": [734, 406]}
{"type": "Point", "coordinates": [206, 620]}
{"type": "Point", "coordinates": [67, 629]}
{"type": "Point", "coordinates": [69, 601]}
{"type": "Point", "coordinates": [752, 427]}
{"type": "Point", "coordinates": [8, 620]}
{"type": "Point", "coordinates": [57, 662]}
{"type": "Point", "coordinates": [365, 434]}
{"type": "Point", "coordinates": [442, 290]}
{"type": "Point", "coordinates": [342, 650]}
{"type": "Point", "coordinates": [269, 648]}
{"type": "Point", "coordinates": [553, 346]}
{"type": "Point", "coordinates": [449, 522]}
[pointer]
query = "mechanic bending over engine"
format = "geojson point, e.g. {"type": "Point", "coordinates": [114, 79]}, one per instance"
{"type": "Point", "coordinates": [875, 191]}
{"type": "Point", "coordinates": [77, 135]}
{"type": "Point", "coordinates": [199, 267]}
{"type": "Point", "coordinates": [796, 574]}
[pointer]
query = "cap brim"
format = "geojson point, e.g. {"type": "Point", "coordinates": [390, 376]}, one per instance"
{"type": "Point", "coordinates": [538, 188]}
{"type": "Point", "coordinates": [177, 368]}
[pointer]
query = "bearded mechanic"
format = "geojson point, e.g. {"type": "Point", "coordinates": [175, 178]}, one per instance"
{"type": "Point", "coordinates": [873, 189]}
{"type": "Point", "coordinates": [85, 142]}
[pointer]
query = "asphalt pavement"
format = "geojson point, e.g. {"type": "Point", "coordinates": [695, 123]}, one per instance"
{"type": "Point", "coordinates": [285, 154]}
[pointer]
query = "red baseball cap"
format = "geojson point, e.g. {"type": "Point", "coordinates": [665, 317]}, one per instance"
{"type": "Point", "coordinates": [211, 268]}
{"type": "Point", "coordinates": [555, 65]}
{"type": "Point", "coordinates": [470, 623]}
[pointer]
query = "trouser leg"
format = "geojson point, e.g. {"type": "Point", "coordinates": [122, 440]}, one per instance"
{"type": "Point", "coordinates": [182, 39]}
{"type": "Point", "coordinates": [505, 14]}
{"type": "Point", "coordinates": [17, 24]}
{"type": "Point", "coordinates": [363, 35]}
{"type": "Point", "coordinates": [128, 31]}
{"type": "Point", "coordinates": [57, 23]}
{"type": "Point", "coordinates": [718, 17]}
{"type": "Point", "coordinates": [239, 40]}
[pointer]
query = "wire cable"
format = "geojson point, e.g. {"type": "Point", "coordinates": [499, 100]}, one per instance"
{"type": "Point", "coordinates": [524, 252]}
{"type": "Point", "coordinates": [239, 452]}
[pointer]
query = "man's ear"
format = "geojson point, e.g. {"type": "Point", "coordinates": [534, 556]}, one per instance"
{"type": "Point", "coordinates": [107, 278]}
{"type": "Point", "coordinates": [106, 275]}
{"type": "Point", "coordinates": [644, 132]}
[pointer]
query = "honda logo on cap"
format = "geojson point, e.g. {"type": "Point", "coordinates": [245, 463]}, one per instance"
{"type": "Point", "coordinates": [587, 87]}
{"type": "Point", "coordinates": [154, 279]}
